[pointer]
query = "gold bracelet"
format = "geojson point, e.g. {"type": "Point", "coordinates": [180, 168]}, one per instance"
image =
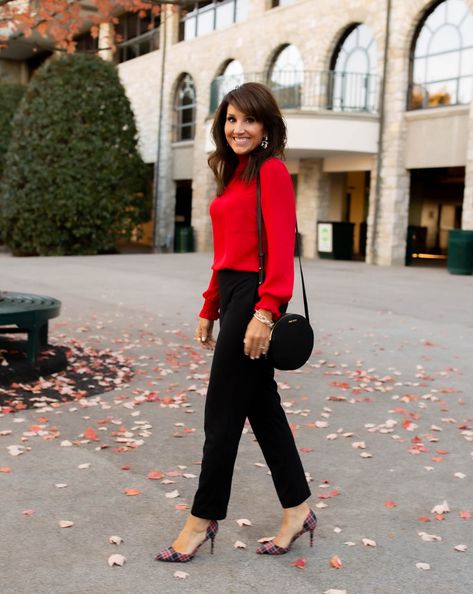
{"type": "Point", "coordinates": [263, 319]}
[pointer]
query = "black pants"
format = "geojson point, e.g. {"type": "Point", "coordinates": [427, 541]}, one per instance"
{"type": "Point", "coordinates": [241, 388]}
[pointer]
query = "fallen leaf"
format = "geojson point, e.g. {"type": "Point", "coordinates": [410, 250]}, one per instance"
{"type": "Point", "coordinates": [459, 475]}
{"type": "Point", "coordinates": [332, 591]}
{"type": "Point", "coordinates": [368, 543]}
{"type": "Point", "coordinates": [16, 450]}
{"type": "Point", "coordinates": [461, 548]}
{"type": "Point", "coordinates": [116, 560]}
{"type": "Point", "coordinates": [66, 524]}
{"type": "Point", "coordinates": [390, 503]}
{"type": "Point", "coordinates": [131, 492]}
{"type": "Point", "coordinates": [181, 506]}
{"type": "Point", "coordinates": [429, 537]}
{"type": "Point", "coordinates": [172, 494]}
{"type": "Point", "coordinates": [5, 469]}
{"type": "Point", "coordinates": [181, 575]}
{"type": "Point", "coordinates": [441, 508]}
{"type": "Point", "coordinates": [243, 522]}
{"type": "Point", "coordinates": [299, 563]}
{"type": "Point", "coordinates": [84, 466]}
{"type": "Point", "coordinates": [115, 540]}
{"type": "Point", "coordinates": [265, 539]}
{"type": "Point", "coordinates": [91, 434]}
{"type": "Point", "coordinates": [423, 566]}
{"type": "Point", "coordinates": [465, 515]}
{"type": "Point", "coordinates": [336, 562]}
{"type": "Point", "coordinates": [155, 475]}
{"type": "Point", "coordinates": [28, 512]}
{"type": "Point", "coordinates": [239, 545]}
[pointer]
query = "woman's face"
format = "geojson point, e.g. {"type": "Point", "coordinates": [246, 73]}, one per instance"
{"type": "Point", "coordinates": [243, 132]}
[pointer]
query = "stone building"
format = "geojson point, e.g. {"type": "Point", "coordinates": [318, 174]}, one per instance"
{"type": "Point", "coordinates": [377, 97]}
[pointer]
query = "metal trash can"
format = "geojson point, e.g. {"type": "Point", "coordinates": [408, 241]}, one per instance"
{"type": "Point", "coordinates": [460, 251]}
{"type": "Point", "coordinates": [335, 240]}
{"type": "Point", "coordinates": [184, 239]}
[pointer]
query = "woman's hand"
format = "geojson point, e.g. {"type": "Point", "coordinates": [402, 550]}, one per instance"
{"type": "Point", "coordinates": [256, 342]}
{"type": "Point", "coordinates": [203, 333]}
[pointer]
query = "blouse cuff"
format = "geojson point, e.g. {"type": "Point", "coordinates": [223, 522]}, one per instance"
{"type": "Point", "coordinates": [210, 310]}
{"type": "Point", "coordinates": [270, 304]}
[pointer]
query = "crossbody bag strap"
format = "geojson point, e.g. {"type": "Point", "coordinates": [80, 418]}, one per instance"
{"type": "Point", "coordinates": [259, 212]}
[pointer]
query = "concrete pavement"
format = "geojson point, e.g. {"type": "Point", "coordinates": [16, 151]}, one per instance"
{"type": "Point", "coordinates": [383, 413]}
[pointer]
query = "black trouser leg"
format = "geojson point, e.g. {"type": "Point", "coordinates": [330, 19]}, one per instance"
{"type": "Point", "coordinates": [238, 388]}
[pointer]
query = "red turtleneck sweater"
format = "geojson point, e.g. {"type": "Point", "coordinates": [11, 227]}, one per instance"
{"type": "Point", "coordinates": [235, 234]}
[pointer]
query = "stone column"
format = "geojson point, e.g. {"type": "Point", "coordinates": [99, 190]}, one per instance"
{"type": "Point", "coordinates": [106, 41]}
{"type": "Point", "coordinates": [389, 206]}
{"type": "Point", "coordinates": [467, 212]}
{"type": "Point", "coordinates": [313, 200]}
{"type": "Point", "coordinates": [166, 194]}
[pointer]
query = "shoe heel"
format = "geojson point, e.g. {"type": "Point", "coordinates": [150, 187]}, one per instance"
{"type": "Point", "coordinates": [311, 533]}
{"type": "Point", "coordinates": [212, 545]}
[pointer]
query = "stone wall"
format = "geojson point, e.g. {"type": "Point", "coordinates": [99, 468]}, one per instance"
{"type": "Point", "coordinates": [315, 28]}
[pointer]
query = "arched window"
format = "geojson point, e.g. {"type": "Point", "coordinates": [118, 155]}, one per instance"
{"type": "Point", "coordinates": [442, 57]}
{"type": "Point", "coordinates": [353, 80]}
{"type": "Point", "coordinates": [287, 77]}
{"type": "Point", "coordinates": [185, 109]}
{"type": "Point", "coordinates": [232, 76]}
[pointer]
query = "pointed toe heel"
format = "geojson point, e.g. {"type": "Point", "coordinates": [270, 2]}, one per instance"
{"type": "Point", "coordinates": [309, 525]}
{"type": "Point", "coordinates": [170, 554]}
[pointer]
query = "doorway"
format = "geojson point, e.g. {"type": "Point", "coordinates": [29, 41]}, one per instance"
{"type": "Point", "coordinates": [435, 207]}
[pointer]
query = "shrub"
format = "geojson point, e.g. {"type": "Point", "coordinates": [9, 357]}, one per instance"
{"type": "Point", "coordinates": [10, 96]}
{"type": "Point", "coordinates": [73, 181]}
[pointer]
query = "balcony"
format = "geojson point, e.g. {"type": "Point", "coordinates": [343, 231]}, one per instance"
{"type": "Point", "coordinates": [328, 114]}
{"type": "Point", "coordinates": [308, 90]}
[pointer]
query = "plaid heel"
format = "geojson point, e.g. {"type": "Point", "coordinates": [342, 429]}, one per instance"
{"type": "Point", "coordinates": [269, 548]}
{"type": "Point", "coordinates": [172, 556]}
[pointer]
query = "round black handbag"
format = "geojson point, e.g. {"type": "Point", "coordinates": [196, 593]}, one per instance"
{"type": "Point", "coordinates": [292, 338]}
{"type": "Point", "coordinates": [291, 342]}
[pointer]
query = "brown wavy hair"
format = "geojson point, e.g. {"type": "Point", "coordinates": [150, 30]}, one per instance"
{"type": "Point", "coordinates": [253, 99]}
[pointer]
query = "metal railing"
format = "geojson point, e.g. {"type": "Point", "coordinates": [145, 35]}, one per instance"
{"type": "Point", "coordinates": [439, 93]}
{"type": "Point", "coordinates": [138, 46]}
{"type": "Point", "coordinates": [336, 91]}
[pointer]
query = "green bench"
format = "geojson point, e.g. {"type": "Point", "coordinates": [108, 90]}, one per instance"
{"type": "Point", "coordinates": [24, 313]}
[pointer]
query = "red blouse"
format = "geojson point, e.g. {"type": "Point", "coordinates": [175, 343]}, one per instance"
{"type": "Point", "coordinates": [235, 234]}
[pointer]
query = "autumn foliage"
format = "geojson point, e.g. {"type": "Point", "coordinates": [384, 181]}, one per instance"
{"type": "Point", "coordinates": [55, 23]}
{"type": "Point", "coordinates": [10, 96]}
{"type": "Point", "coordinates": [73, 180]}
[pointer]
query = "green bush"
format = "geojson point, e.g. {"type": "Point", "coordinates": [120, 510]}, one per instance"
{"type": "Point", "coordinates": [73, 181]}
{"type": "Point", "coordinates": [10, 97]}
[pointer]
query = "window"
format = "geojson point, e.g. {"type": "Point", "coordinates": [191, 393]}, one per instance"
{"type": "Point", "coordinates": [137, 35]}
{"type": "Point", "coordinates": [185, 109]}
{"type": "Point", "coordinates": [86, 43]}
{"type": "Point", "coordinates": [353, 80]}
{"type": "Point", "coordinates": [287, 77]}
{"type": "Point", "coordinates": [442, 57]}
{"type": "Point", "coordinates": [207, 16]}
{"type": "Point", "coordinates": [231, 77]}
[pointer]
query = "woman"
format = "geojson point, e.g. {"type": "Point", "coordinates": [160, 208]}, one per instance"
{"type": "Point", "coordinates": [249, 133]}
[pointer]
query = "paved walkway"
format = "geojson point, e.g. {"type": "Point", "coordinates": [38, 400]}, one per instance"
{"type": "Point", "coordinates": [383, 416]}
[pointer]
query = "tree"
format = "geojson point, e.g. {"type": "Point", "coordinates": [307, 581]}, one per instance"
{"type": "Point", "coordinates": [73, 181]}
{"type": "Point", "coordinates": [10, 96]}
{"type": "Point", "coordinates": [57, 22]}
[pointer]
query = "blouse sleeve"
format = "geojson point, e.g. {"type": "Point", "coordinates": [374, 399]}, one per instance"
{"type": "Point", "coordinates": [210, 310]}
{"type": "Point", "coordinates": [279, 216]}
